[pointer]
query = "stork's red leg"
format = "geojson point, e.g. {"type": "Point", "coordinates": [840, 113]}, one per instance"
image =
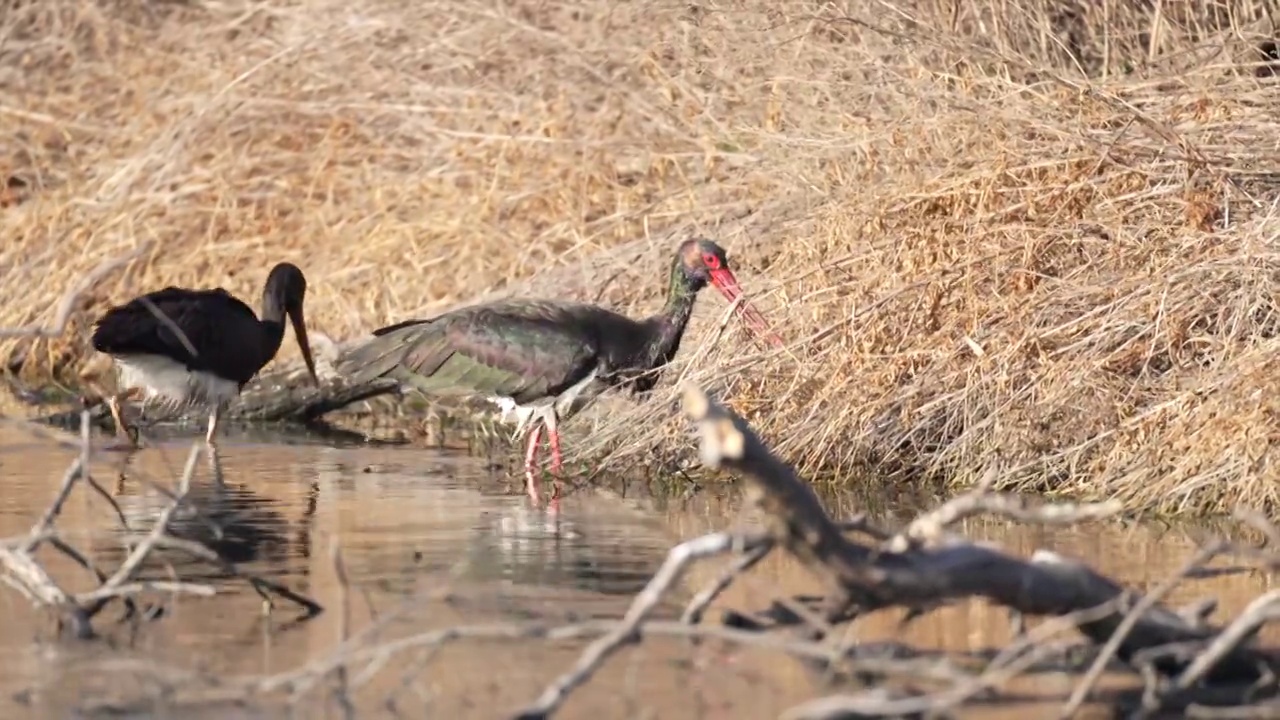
{"type": "Point", "coordinates": [557, 464]}
{"type": "Point", "coordinates": [531, 463]}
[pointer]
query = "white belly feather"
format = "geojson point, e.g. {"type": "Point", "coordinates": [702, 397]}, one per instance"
{"type": "Point", "coordinates": [172, 383]}
{"type": "Point", "coordinates": [564, 405]}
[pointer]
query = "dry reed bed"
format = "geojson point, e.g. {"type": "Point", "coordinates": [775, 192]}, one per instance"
{"type": "Point", "coordinates": [1003, 235]}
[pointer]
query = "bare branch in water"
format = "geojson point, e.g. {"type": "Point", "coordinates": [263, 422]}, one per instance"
{"type": "Point", "coordinates": [919, 569]}
{"type": "Point", "coordinates": [862, 569]}
{"type": "Point", "coordinates": [20, 570]}
{"type": "Point", "coordinates": [627, 632]}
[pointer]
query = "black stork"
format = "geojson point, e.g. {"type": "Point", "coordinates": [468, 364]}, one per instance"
{"type": "Point", "coordinates": [543, 359]}
{"type": "Point", "coordinates": [199, 347]}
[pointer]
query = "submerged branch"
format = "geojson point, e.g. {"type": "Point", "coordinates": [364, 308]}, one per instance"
{"type": "Point", "coordinates": [628, 631]}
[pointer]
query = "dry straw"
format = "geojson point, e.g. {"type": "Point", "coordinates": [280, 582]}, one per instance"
{"type": "Point", "coordinates": [1032, 236]}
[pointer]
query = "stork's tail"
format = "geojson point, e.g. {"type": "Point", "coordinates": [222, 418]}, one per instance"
{"type": "Point", "coordinates": [381, 354]}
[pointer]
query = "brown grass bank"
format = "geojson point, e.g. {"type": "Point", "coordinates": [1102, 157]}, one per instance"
{"type": "Point", "coordinates": [1032, 234]}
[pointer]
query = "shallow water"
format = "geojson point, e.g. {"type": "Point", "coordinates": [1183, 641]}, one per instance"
{"type": "Point", "coordinates": [448, 540]}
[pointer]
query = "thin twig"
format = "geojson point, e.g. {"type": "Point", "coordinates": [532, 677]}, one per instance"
{"type": "Point", "coordinates": [628, 631]}
{"type": "Point", "coordinates": [1131, 619]}
{"type": "Point", "coordinates": [754, 550]}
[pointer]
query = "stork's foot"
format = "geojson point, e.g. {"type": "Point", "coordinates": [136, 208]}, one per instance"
{"type": "Point", "coordinates": [532, 472]}
{"type": "Point", "coordinates": [531, 465]}
{"type": "Point", "coordinates": [532, 480]}
{"type": "Point", "coordinates": [128, 439]}
{"type": "Point", "coordinates": [118, 486]}
{"type": "Point", "coordinates": [211, 434]}
{"type": "Point", "coordinates": [215, 465]}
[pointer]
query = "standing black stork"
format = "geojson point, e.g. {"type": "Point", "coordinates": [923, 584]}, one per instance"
{"type": "Point", "coordinates": [199, 347]}
{"type": "Point", "coordinates": [545, 359]}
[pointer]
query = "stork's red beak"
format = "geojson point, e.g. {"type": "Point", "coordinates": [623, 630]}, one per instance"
{"type": "Point", "coordinates": [727, 284]}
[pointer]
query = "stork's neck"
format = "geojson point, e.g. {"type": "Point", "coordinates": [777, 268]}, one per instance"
{"type": "Point", "coordinates": [669, 325]}
{"type": "Point", "coordinates": [272, 322]}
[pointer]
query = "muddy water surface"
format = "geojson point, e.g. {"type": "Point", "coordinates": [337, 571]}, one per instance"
{"type": "Point", "coordinates": [430, 540]}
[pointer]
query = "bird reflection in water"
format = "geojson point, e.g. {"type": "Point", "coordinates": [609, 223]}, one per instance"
{"type": "Point", "coordinates": [522, 547]}
{"type": "Point", "coordinates": [240, 525]}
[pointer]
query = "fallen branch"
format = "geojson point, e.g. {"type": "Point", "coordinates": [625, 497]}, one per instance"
{"type": "Point", "coordinates": [875, 578]}
{"type": "Point", "coordinates": [919, 569]}
{"type": "Point", "coordinates": [281, 394]}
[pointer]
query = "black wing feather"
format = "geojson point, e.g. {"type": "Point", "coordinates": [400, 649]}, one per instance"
{"type": "Point", "coordinates": [521, 349]}
{"type": "Point", "coordinates": [225, 333]}
{"type": "Point", "coordinates": [392, 328]}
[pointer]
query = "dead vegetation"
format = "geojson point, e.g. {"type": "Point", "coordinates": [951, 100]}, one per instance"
{"type": "Point", "coordinates": [1035, 238]}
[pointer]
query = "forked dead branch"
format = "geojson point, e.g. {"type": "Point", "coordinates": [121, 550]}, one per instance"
{"type": "Point", "coordinates": [1182, 658]}
{"type": "Point", "coordinates": [75, 612]}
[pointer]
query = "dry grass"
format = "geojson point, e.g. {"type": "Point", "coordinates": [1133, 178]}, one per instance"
{"type": "Point", "coordinates": [998, 232]}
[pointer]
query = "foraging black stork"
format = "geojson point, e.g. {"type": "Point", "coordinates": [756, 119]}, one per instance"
{"type": "Point", "coordinates": [545, 359]}
{"type": "Point", "coordinates": [199, 347]}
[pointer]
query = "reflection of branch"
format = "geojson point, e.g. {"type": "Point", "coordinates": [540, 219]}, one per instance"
{"type": "Point", "coordinates": [143, 549]}
{"type": "Point", "coordinates": [264, 587]}
{"type": "Point", "coordinates": [20, 570]}
{"type": "Point", "coordinates": [68, 302]}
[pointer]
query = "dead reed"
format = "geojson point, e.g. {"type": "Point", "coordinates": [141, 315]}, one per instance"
{"type": "Point", "coordinates": [1027, 237]}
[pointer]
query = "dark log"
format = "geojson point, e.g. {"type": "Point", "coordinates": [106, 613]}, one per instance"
{"type": "Point", "coordinates": [919, 569]}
